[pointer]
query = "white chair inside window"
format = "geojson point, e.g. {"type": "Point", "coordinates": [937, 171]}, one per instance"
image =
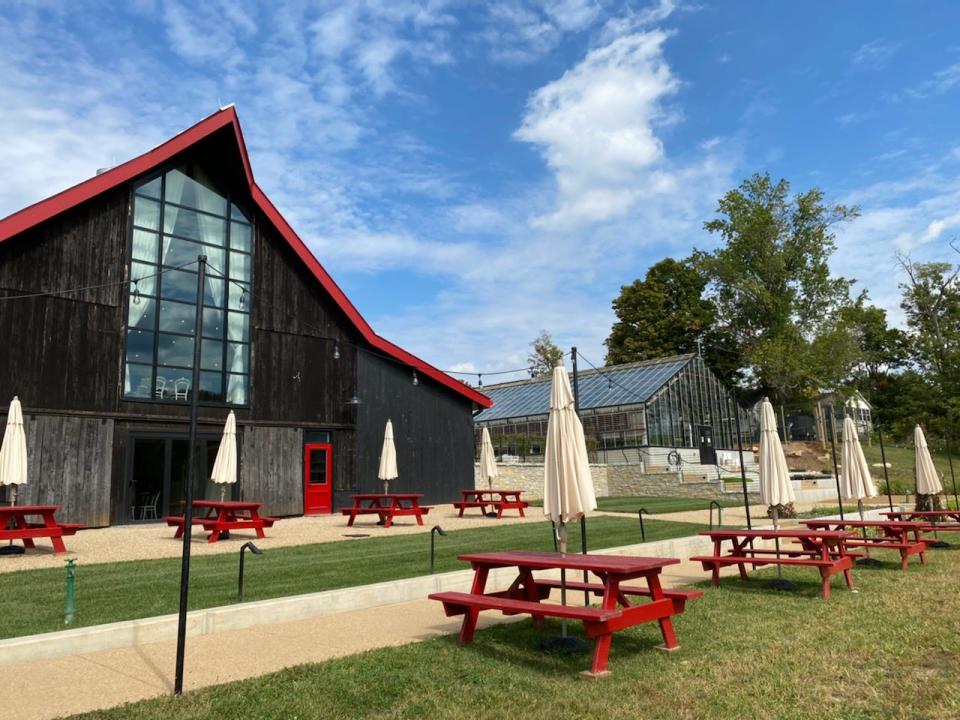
{"type": "Point", "coordinates": [181, 388]}
{"type": "Point", "coordinates": [161, 388]}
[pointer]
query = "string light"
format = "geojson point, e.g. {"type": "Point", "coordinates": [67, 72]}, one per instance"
{"type": "Point", "coordinates": [336, 349]}
{"type": "Point", "coordinates": [416, 380]}
{"type": "Point", "coordinates": [136, 292]}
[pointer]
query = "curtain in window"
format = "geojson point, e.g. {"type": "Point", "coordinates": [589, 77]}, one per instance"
{"type": "Point", "coordinates": [237, 384]}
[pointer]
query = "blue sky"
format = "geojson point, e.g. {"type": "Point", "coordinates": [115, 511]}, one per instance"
{"type": "Point", "coordinates": [472, 172]}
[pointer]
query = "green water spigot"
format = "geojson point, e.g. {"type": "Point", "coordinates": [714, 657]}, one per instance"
{"type": "Point", "coordinates": [71, 610]}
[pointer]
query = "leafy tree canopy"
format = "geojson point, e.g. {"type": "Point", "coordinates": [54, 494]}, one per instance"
{"type": "Point", "coordinates": [770, 283]}
{"type": "Point", "coordinates": [544, 355]}
{"type": "Point", "coordinates": [663, 314]}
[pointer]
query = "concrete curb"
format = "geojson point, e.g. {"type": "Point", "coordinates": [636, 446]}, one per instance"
{"type": "Point", "coordinates": [81, 641]}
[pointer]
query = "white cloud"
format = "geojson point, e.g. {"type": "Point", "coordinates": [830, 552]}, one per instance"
{"type": "Point", "coordinates": [874, 55]}
{"type": "Point", "coordinates": [597, 129]}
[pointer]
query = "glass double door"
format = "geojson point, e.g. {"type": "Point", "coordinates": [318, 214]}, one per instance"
{"type": "Point", "coordinates": [157, 477]}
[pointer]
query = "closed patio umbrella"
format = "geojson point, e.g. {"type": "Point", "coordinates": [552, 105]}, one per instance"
{"type": "Point", "coordinates": [388, 458]}
{"type": "Point", "coordinates": [568, 490]}
{"type": "Point", "coordinates": [928, 481]}
{"type": "Point", "coordinates": [225, 466]}
{"type": "Point", "coordinates": [488, 460]}
{"type": "Point", "coordinates": [13, 460]}
{"type": "Point", "coordinates": [13, 451]}
{"type": "Point", "coordinates": [775, 486]}
{"type": "Point", "coordinates": [855, 480]}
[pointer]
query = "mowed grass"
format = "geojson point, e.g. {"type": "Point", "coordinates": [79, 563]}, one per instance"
{"type": "Point", "coordinates": [32, 601]}
{"type": "Point", "coordinates": [655, 504]}
{"type": "Point", "coordinates": [890, 651]}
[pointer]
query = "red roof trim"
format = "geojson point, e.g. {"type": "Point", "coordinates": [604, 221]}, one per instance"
{"type": "Point", "coordinates": [37, 213]}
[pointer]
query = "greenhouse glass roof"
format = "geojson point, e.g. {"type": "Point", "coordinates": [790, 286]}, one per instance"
{"type": "Point", "coordinates": [616, 385]}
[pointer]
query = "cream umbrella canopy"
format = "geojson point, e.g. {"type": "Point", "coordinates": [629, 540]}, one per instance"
{"type": "Point", "coordinates": [488, 460]}
{"type": "Point", "coordinates": [775, 486]}
{"type": "Point", "coordinates": [568, 492]}
{"type": "Point", "coordinates": [567, 484]}
{"type": "Point", "coordinates": [225, 466]}
{"type": "Point", "coordinates": [388, 458]}
{"type": "Point", "coordinates": [855, 480]}
{"type": "Point", "coordinates": [928, 481]}
{"type": "Point", "coordinates": [13, 451]}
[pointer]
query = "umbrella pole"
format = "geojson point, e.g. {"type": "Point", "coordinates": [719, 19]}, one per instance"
{"type": "Point", "coordinates": [953, 477]}
{"type": "Point", "coordinates": [743, 469]}
{"type": "Point", "coordinates": [779, 583]}
{"type": "Point", "coordinates": [562, 534]}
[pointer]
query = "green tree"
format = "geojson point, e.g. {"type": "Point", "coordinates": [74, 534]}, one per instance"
{"type": "Point", "coordinates": [881, 347]}
{"type": "Point", "coordinates": [544, 355]}
{"type": "Point", "coordinates": [931, 301]}
{"type": "Point", "coordinates": [771, 285]}
{"type": "Point", "coordinates": [663, 314]}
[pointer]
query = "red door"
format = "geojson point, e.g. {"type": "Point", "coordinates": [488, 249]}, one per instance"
{"type": "Point", "coordinates": [317, 478]}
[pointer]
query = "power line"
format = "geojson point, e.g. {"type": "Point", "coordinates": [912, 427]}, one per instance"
{"type": "Point", "coordinates": [116, 283]}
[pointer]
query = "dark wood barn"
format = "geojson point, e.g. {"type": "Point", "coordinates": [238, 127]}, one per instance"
{"type": "Point", "coordinates": [98, 296]}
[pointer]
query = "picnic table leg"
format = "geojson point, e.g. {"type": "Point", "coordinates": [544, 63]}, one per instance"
{"type": "Point", "coordinates": [601, 648]}
{"type": "Point", "coordinates": [387, 518]}
{"type": "Point", "coordinates": [56, 540]}
{"type": "Point", "coordinates": [21, 522]}
{"type": "Point", "coordinates": [419, 517]}
{"type": "Point", "coordinates": [353, 516]}
{"type": "Point", "coordinates": [470, 616]}
{"type": "Point", "coordinates": [825, 582]}
{"type": "Point", "coordinates": [666, 624]}
{"type": "Point", "coordinates": [533, 595]}
{"type": "Point", "coordinates": [521, 510]}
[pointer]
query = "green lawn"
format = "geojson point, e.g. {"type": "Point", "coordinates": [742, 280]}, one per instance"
{"type": "Point", "coordinates": [32, 601]}
{"type": "Point", "coordinates": [821, 511]}
{"type": "Point", "coordinates": [890, 651]}
{"type": "Point", "coordinates": [656, 504]}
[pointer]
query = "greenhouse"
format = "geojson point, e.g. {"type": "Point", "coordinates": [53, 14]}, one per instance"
{"type": "Point", "coordinates": [627, 410]}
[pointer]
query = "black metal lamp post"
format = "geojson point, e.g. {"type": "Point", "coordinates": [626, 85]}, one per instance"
{"type": "Point", "coordinates": [188, 493]}
{"type": "Point", "coordinates": [256, 551]}
{"type": "Point", "coordinates": [434, 531]}
{"type": "Point", "coordinates": [643, 534]}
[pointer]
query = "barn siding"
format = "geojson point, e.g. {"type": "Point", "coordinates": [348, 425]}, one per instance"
{"type": "Point", "coordinates": [433, 432]}
{"type": "Point", "coordinates": [70, 461]}
{"type": "Point", "coordinates": [271, 468]}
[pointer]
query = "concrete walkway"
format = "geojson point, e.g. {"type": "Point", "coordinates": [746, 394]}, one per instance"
{"type": "Point", "coordinates": [64, 686]}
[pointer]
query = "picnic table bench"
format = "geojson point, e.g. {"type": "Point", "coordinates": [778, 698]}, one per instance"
{"type": "Point", "coordinates": [822, 549]}
{"type": "Point", "coordinates": [928, 519]}
{"type": "Point", "coordinates": [386, 506]}
{"type": "Point", "coordinates": [526, 595]}
{"type": "Point", "coordinates": [15, 526]}
{"type": "Point", "coordinates": [218, 517]}
{"type": "Point", "coordinates": [894, 535]}
{"type": "Point", "coordinates": [498, 500]}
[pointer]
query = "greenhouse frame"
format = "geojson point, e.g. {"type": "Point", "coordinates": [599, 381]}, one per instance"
{"type": "Point", "coordinates": [627, 410]}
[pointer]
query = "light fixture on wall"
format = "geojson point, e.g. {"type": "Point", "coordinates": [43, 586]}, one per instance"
{"type": "Point", "coordinates": [416, 380]}
{"type": "Point", "coordinates": [336, 349]}
{"type": "Point", "coordinates": [354, 400]}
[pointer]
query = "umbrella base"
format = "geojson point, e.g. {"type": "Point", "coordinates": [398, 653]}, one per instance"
{"type": "Point", "coordinates": [869, 562]}
{"type": "Point", "coordinates": [781, 584]}
{"type": "Point", "coordinates": [490, 514]}
{"type": "Point", "coordinates": [939, 544]}
{"type": "Point", "coordinates": [12, 550]}
{"type": "Point", "coordinates": [563, 645]}
{"type": "Point", "coordinates": [381, 522]}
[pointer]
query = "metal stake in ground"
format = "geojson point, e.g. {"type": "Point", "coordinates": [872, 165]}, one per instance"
{"type": "Point", "coordinates": [188, 491]}
{"type": "Point", "coordinates": [833, 452]}
{"type": "Point", "coordinates": [743, 469]}
{"type": "Point", "coordinates": [886, 475]}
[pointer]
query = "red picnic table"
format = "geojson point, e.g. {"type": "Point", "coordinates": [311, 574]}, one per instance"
{"type": "Point", "coordinates": [15, 526]}
{"type": "Point", "coordinates": [894, 535]}
{"type": "Point", "coordinates": [526, 595]}
{"type": "Point", "coordinates": [929, 519]}
{"type": "Point", "coordinates": [218, 517]}
{"type": "Point", "coordinates": [498, 500]}
{"type": "Point", "coordinates": [822, 549]}
{"type": "Point", "coordinates": [387, 506]}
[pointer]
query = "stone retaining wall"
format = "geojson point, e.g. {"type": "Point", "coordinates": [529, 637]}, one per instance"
{"type": "Point", "coordinates": [609, 480]}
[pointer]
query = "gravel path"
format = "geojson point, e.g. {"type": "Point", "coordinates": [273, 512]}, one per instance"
{"type": "Point", "coordinates": [155, 540]}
